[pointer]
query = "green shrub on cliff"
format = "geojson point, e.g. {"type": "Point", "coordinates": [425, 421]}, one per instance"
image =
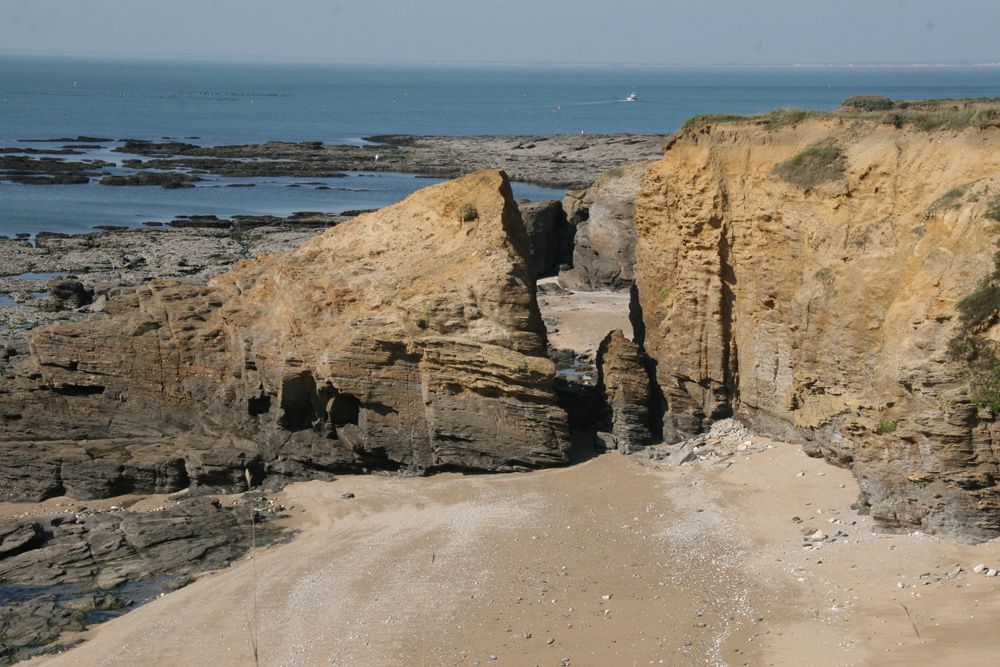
{"type": "Point", "coordinates": [813, 166]}
{"type": "Point", "coordinates": [887, 426]}
{"type": "Point", "coordinates": [987, 118]}
{"type": "Point", "coordinates": [868, 103]}
{"type": "Point", "coordinates": [468, 213]}
{"type": "Point", "coordinates": [976, 313]}
{"type": "Point", "coordinates": [949, 200]}
{"type": "Point", "coordinates": [993, 208]}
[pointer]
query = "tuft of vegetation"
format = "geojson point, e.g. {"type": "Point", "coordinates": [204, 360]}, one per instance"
{"type": "Point", "coordinates": [868, 103]}
{"type": "Point", "coordinates": [887, 426]}
{"type": "Point", "coordinates": [468, 213]}
{"type": "Point", "coordinates": [993, 208]}
{"type": "Point", "coordinates": [665, 292]}
{"type": "Point", "coordinates": [951, 119]}
{"type": "Point", "coordinates": [978, 312]}
{"type": "Point", "coordinates": [977, 308]}
{"type": "Point", "coordinates": [986, 118]}
{"type": "Point", "coordinates": [786, 117]}
{"type": "Point", "coordinates": [813, 166]}
{"type": "Point", "coordinates": [949, 200]}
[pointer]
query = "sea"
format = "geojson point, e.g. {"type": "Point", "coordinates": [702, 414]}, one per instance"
{"type": "Point", "coordinates": [214, 103]}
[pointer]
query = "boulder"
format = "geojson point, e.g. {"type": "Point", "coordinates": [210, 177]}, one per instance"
{"type": "Point", "coordinates": [70, 294]}
{"type": "Point", "coordinates": [625, 389]}
{"type": "Point", "coordinates": [604, 250]}
{"type": "Point", "coordinates": [405, 338]}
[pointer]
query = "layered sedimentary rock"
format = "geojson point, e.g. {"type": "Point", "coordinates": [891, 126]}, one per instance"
{"type": "Point", "coordinates": [409, 337]}
{"type": "Point", "coordinates": [625, 390]}
{"type": "Point", "coordinates": [803, 273]}
{"type": "Point", "coordinates": [604, 247]}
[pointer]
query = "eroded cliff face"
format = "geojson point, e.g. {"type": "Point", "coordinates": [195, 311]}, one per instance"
{"type": "Point", "coordinates": [409, 337]}
{"type": "Point", "coordinates": [822, 312]}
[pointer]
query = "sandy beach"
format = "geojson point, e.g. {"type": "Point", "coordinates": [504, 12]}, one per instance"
{"type": "Point", "coordinates": [611, 561]}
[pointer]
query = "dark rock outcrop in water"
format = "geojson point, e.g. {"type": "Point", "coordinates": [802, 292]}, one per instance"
{"type": "Point", "coordinates": [407, 338]}
{"type": "Point", "coordinates": [604, 249]}
{"type": "Point", "coordinates": [624, 387]}
{"type": "Point", "coordinates": [809, 274]}
{"type": "Point", "coordinates": [165, 179]}
{"type": "Point", "coordinates": [556, 161]}
{"type": "Point", "coordinates": [47, 170]}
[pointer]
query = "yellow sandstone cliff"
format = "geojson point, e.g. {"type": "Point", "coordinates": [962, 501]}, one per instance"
{"type": "Point", "coordinates": [803, 271]}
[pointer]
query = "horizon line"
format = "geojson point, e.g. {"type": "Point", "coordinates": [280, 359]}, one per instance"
{"type": "Point", "coordinates": [495, 63]}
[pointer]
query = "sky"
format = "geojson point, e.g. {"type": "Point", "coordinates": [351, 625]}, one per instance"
{"type": "Point", "coordinates": [699, 32]}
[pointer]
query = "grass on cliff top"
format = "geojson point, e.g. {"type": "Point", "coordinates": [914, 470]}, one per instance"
{"type": "Point", "coordinates": [924, 115]}
{"type": "Point", "coordinates": [772, 120]}
{"type": "Point", "coordinates": [813, 166]}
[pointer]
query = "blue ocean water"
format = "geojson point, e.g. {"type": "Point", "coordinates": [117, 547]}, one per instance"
{"type": "Point", "coordinates": [222, 103]}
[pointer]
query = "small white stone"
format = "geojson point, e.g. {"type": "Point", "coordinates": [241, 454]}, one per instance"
{"type": "Point", "coordinates": [991, 572]}
{"type": "Point", "coordinates": [979, 569]}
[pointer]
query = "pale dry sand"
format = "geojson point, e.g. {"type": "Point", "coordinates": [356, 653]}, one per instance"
{"type": "Point", "coordinates": [580, 320]}
{"type": "Point", "coordinates": [616, 561]}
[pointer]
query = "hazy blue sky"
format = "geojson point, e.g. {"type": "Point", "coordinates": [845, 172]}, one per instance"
{"type": "Point", "coordinates": [645, 31]}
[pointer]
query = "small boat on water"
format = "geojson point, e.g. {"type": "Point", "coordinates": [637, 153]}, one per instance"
{"type": "Point", "coordinates": [632, 97]}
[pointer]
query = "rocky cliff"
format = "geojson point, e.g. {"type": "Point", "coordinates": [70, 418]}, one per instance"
{"type": "Point", "coordinates": [810, 272]}
{"type": "Point", "coordinates": [604, 246]}
{"type": "Point", "coordinates": [407, 338]}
